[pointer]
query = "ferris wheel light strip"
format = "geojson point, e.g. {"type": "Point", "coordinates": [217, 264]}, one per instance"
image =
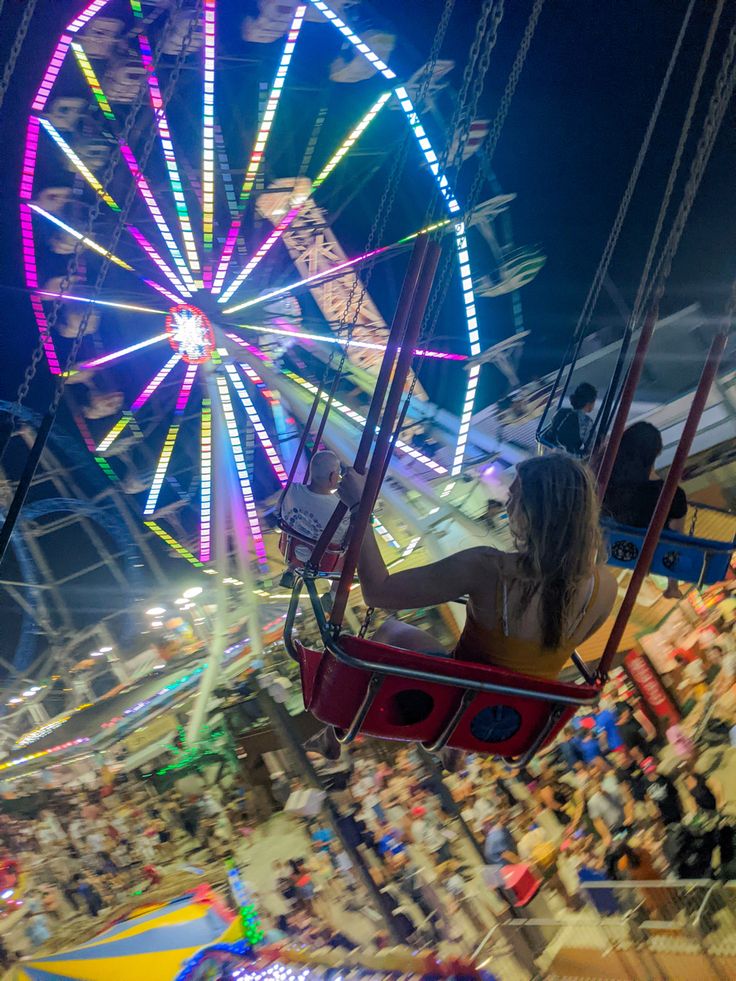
{"type": "Point", "coordinates": [147, 195]}
{"type": "Point", "coordinates": [260, 144]}
{"type": "Point", "coordinates": [384, 532]}
{"type": "Point", "coordinates": [160, 263]}
{"type": "Point", "coordinates": [342, 341]}
{"type": "Point", "coordinates": [466, 279]}
{"type": "Point", "coordinates": [208, 119]}
{"type": "Point", "coordinates": [263, 438]}
{"type": "Point", "coordinates": [163, 291]}
{"type": "Point", "coordinates": [29, 158]}
{"type": "Point", "coordinates": [351, 36]}
{"type": "Point", "coordinates": [93, 8]}
{"type": "Point", "coordinates": [92, 80]}
{"type": "Point", "coordinates": [162, 124]}
{"type": "Point", "coordinates": [298, 200]}
{"type": "Point", "coordinates": [52, 73]}
{"type": "Point", "coordinates": [240, 466]}
{"type": "Point", "coordinates": [79, 164]}
{"type": "Point", "coordinates": [71, 298]}
{"type": "Point", "coordinates": [205, 525]}
{"type": "Point", "coordinates": [329, 273]}
{"type": "Point", "coordinates": [170, 440]}
{"type": "Point", "coordinates": [81, 238]}
{"type": "Point", "coordinates": [43, 328]}
{"type": "Point", "coordinates": [172, 543]}
{"type": "Point", "coordinates": [116, 355]}
{"type": "Point", "coordinates": [401, 446]}
{"type": "Point", "coordinates": [138, 403]}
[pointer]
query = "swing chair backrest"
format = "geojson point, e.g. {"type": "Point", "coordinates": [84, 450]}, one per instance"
{"type": "Point", "coordinates": [703, 561]}
{"type": "Point", "coordinates": [297, 550]}
{"type": "Point", "coordinates": [362, 687]}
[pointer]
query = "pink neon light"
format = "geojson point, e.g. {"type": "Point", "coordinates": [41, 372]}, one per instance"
{"type": "Point", "coordinates": [156, 258]}
{"type": "Point", "coordinates": [52, 73]}
{"type": "Point", "coordinates": [163, 291]}
{"type": "Point", "coordinates": [147, 195]}
{"type": "Point", "coordinates": [154, 383]}
{"type": "Point", "coordinates": [262, 251]}
{"type": "Point", "coordinates": [43, 329]}
{"type": "Point", "coordinates": [186, 388]}
{"type": "Point", "coordinates": [29, 254]}
{"type": "Point", "coordinates": [94, 8]}
{"type": "Point", "coordinates": [29, 158]}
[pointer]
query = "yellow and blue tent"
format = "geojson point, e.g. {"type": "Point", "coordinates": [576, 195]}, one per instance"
{"type": "Point", "coordinates": [153, 943]}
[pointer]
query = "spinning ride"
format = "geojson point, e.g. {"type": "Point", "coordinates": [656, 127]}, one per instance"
{"type": "Point", "coordinates": [167, 369]}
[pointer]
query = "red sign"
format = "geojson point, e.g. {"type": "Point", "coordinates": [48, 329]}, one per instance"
{"type": "Point", "coordinates": [647, 681]}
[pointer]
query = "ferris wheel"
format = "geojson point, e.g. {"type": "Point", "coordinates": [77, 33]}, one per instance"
{"type": "Point", "coordinates": [216, 231]}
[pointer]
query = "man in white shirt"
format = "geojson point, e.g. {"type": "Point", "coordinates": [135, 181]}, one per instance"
{"type": "Point", "coordinates": [308, 507]}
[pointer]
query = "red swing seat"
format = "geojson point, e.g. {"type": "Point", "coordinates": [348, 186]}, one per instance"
{"type": "Point", "coordinates": [362, 687]}
{"type": "Point", "coordinates": [290, 540]}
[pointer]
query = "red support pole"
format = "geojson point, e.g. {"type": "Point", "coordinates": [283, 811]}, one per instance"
{"type": "Point", "coordinates": [627, 397]}
{"type": "Point", "coordinates": [662, 510]}
{"type": "Point", "coordinates": [381, 449]}
{"type": "Point", "coordinates": [393, 346]}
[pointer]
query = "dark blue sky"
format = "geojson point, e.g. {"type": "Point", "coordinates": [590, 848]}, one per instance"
{"type": "Point", "coordinates": [571, 138]}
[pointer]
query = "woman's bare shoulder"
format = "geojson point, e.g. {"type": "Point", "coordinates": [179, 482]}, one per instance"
{"type": "Point", "coordinates": [607, 589]}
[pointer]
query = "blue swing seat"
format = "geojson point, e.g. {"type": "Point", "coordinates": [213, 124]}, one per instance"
{"type": "Point", "coordinates": [702, 561]}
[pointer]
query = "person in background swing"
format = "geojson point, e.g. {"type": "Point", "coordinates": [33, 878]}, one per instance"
{"type": "Point", "coordinates": [527, 610]}
{"type": "Point", "coordinates": [634, 487]}
{"type": "Point", "coordinates": [306, 508]}
{"type": "Point", "coordinates": [571, 428]}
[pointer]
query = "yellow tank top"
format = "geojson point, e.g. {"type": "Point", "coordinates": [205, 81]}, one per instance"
{"type": "Point", "coordinates": [495, 646]}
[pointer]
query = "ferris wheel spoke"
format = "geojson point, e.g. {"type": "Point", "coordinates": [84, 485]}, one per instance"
{"type": "Point", "coordinates": [170, 440]}
{"type": "Point", "coordinates": [260, 145]}
{"type": "Point", "coordinates": [95, 301]}
{"type": "Point", "coordinates": [124, 352]}
{"type": "Point", "coordinates": [78, 163]}
{"type": "Point", "coordinates": [353, 38]}
{"type": "Point", "coordinates": [162, 125]}
{"type": "Point", "coordinates": [335, 270]}
{"type": "Point", "coordinates": [359, 418]}
{"type": "Point", "coordinates": [138, 403]}
{"type": "Point", "coordinates": [261, 434]}
{"type": "Point", "coordinates": [162, 265]}
{"type": "Point", "coordinates": [84, 239]}
{"type": "Point", "coordinates": [131, 162]}
{"type": "Point", "coordinates": [173, 543]}
{"type": "Point", "coordinates": [205, 483]}
{"type": "Point", "coordinates": [242, 470]}
{"type": "Point", "coordinates": [208, 140]}
{"type": "Point", "coordinates": [297, 202]}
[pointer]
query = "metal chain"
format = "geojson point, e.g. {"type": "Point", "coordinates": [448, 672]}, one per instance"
{"type": "Point", "coordinates": [17, 45]}
{"type": "Point", "coordinates": [367, 620]}
{"type": "Point", "coordinates": [645, 284]}
{"type": "Point", "coordinates": [723, 91]}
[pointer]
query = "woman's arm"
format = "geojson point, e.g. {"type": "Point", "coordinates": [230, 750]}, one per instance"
{"type": "Point", "coordinates": [429, 585]}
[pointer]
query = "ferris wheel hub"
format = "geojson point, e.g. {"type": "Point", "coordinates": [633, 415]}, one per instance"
{"type": "Point", "coordinates": [190, 333]}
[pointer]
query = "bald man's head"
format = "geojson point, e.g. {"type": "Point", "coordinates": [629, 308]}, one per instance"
{"type": "Point", "coordinates": [324, 472]}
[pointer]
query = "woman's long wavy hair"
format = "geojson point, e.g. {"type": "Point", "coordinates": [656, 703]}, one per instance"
{"type": "Point", "coordinates": [554, 519]}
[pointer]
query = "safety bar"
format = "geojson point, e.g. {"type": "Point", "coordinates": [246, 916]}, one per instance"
{"type": "Point", "coordinates": [664, 503]}
{"type": "Point", "coordinates": [332, 643]}
{"type": "Point", "coordinates": [393, 345]}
